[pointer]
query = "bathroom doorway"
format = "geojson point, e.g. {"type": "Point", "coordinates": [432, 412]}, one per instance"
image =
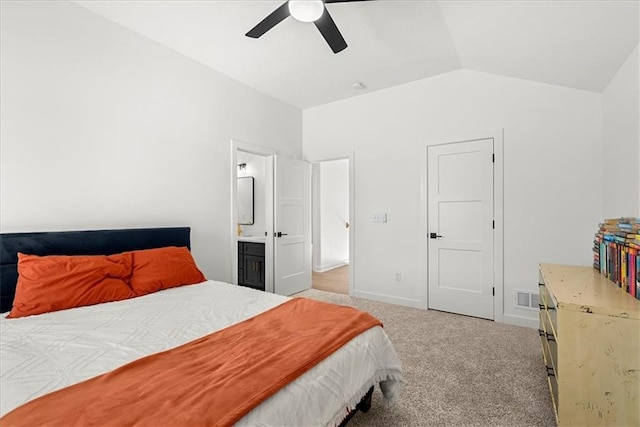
{"type": "Point", "coordinates": [332, 225]}
{"type": "Point", "coordinates": [252, 214]}
{"type": "Point", "coordinates": [279, 196]}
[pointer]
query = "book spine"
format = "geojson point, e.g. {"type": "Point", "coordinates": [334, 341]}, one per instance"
{"type": "Point", "coordinates": [632, 272]}
{"type": "Point", "coordinates": [623, 268]}
{"type": "Point", "coordinates": [638, 275]}
{"type": "Point", "coordinates": [616, 264]}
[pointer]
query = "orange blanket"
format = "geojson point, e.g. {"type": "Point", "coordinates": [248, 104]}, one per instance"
{"type": "Point", "coordinates": [214, 380]}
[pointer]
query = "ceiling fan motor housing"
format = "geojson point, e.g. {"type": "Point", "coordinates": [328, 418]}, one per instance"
{"type": "Point", "coordinates": [306, 10]}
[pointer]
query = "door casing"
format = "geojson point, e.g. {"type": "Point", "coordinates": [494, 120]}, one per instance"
{"type": "Point", "coordinates": [268, 153]}
{"type": "Point", "coordinates": [498, 209]}
{"type": "Point", "coordinates": [352, 209]}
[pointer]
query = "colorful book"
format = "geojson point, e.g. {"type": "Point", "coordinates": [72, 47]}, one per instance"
{"type": "Point", "coordinates": [623, 268]}
{"type": "Point", "coordinates": [632, 271]}
{"type": "Point", "coordinates": [638, 276]}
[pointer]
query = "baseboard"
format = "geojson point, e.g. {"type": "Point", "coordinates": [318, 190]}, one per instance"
{"type": "Point", "coordinates": [407, 302]}
{"type": "Point", "coordinates": [510, 319]}
{"type": "Point", "coordinates": [325, 268]}
{"type": "Point", "coordinates": [527, 322]}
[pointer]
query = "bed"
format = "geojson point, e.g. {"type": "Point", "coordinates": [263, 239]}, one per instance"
{"type": "Point", "coordinates": [50, 353]}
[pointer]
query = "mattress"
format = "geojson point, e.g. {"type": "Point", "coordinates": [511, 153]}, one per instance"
{"type": "Point", "coordinates": [43, 353]}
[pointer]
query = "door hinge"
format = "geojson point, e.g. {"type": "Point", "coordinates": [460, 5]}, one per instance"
{"type": "Point", "coordinates": [493, 224]}
{"type": "Point", "coordinates": [493, 158]}
{"type": "Point", "coordinates": [493, 291]}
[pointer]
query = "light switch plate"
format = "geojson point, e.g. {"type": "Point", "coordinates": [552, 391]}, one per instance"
{"type": "Point", "coordinates": [379, 217]}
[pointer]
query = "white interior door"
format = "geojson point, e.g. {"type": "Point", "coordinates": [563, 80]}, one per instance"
{"type": "Point", "coordinates": [292, 225]}
{"type": "Point", "coordinates": [460, 225]}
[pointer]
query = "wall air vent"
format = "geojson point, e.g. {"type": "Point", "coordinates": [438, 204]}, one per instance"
{"type": "Point", "coordinates": [526, 299]}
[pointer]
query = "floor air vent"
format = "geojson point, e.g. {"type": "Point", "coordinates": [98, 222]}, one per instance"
{"type": "Point", "coordinates": [526, 299]}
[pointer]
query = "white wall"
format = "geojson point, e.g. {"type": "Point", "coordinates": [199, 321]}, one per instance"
{"type": "Point", "coordinates": [621, 141]}
{"type": "Point", "coordinates": [334, 214]}
{"type": "Point", "coordinates": [103, 128]}
{"type": "Point", "coordinates": [256, 167]}
{"type": "Point", "coordinates": [552, 173]}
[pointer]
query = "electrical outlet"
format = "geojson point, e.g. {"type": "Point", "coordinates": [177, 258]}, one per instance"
{"type": "Point", "coordinates": [398, 277]}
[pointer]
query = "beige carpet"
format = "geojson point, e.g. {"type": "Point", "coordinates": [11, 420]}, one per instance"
{"type": "Point", "coordinates": [460, 371]}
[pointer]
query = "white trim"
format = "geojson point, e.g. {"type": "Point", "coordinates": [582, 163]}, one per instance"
{"type": "Point", "coordinates": [498, 233]}
{"type": "Point", "coordinates": [352, 214]}
{"type": "Point", "coordinates": [527, 322]}
{"type": "Point", "coordinates": [269, 251]}
{"type": "Point", "coordinates": [325, 268]}
{"type": "Point", "coordinates": [389, 299]}
{"type": "Point", "coordinates": [352, 222]}
{"type": "Point", "coordinates": [424, 246]}
{"type": "Point", "coordinates": [316, 217]}
{"type": "Point", "coordinates": [268, 153]}
{"type": "Point", "coordinates": [498, 213]}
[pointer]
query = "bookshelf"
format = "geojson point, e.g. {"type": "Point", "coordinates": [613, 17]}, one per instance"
{"type": "Point", "coordinates": [590, 332]}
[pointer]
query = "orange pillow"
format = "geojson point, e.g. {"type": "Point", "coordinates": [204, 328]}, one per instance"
{"type": "Point", "coordinates": [163, 268]}
{"type": "Point", "coordinates": [57, 282]}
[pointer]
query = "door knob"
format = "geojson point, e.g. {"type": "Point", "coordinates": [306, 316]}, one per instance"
{"type": "Point", "coordinates": [434, 235]}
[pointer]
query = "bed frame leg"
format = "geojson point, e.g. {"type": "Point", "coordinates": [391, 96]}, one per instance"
{"type": "Point", "coordinates": [365, 403]}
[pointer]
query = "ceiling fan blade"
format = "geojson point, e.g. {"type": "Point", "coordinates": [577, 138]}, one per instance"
{"type": "Point", "coordinates": [330, 32]}
{"type": "Point", "coordinates": [270, 21]}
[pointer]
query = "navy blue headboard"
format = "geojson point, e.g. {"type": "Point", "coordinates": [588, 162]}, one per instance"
{"type": "Point", "coordinates": [95, 242]}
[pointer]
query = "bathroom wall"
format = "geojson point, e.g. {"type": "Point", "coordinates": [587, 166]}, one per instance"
{"type": "Point", "coordinates": [255, 167]}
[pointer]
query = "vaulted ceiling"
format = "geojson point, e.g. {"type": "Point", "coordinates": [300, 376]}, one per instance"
{"type": "Point", "coordinates": [579, 44]}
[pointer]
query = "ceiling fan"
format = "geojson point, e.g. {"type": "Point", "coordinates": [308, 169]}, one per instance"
{"type": "Point", "coordinates": [305, 11]}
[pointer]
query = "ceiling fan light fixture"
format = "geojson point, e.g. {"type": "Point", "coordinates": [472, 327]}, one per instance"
{"type": "Point", "coordinates": [306, 10]}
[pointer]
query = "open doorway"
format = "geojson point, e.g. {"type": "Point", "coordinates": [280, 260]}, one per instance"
{"type": "Point", "coordinates": [252, 216]}
{"type": "Point", "coordinates": [279, 196]}
{"type": "Point", "coordinates": [331, 226]}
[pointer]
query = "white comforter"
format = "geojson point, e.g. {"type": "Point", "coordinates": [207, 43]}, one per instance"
{"type": "Point", "coordinates": [43, 353]}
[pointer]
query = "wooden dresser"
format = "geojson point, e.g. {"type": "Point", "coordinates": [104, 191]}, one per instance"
{"type": "Point", "coordinates": [590, 330]}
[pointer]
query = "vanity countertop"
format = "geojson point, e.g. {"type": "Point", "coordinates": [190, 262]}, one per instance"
{"type": "Point", "coordinates": [255, 239]}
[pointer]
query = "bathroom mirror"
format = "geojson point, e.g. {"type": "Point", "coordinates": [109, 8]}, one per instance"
{"type": "Point", "coordinates": [245, 200]}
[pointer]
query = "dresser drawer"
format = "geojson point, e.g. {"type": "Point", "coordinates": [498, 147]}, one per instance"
{"type": "Point", "coordinates": [552, 375]}
{"type": "Point", "coordinates": [553, 385]}
{"type": "Point", "coordinates": [553, 347]}
{"type": "Point", "coordinates": [547, 301]}
{"type": "Point", "coordinates": [549, 345]}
